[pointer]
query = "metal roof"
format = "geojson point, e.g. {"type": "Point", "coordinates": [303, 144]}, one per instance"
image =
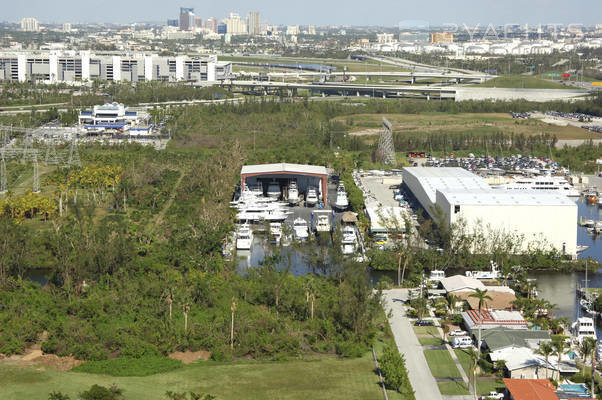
{"type": "Point", "coordinates": [455, 178]}
{"type": "Point", "coordinates": [283, 168]}
{"type": "Point", "coordinates": [500, 338]}
{"type": "Point", "coordinates": [499, 197]}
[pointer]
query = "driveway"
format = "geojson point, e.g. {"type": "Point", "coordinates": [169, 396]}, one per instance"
{"type": "Point", "coordinates": [423, 382]}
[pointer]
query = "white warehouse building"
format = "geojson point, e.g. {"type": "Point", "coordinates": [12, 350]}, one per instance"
{"type": "Point", "coordinates": [540, 218]}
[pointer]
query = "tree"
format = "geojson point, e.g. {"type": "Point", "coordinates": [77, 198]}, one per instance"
{"type": "Point", "coordinates": [545, 349]}
{"type": "Point", "coordinates": [584, 349]}
{"type": "Point", "coordinates": [482, 296]}
{"type": "Point", "coordinates": [559, 346]}
{"type": "Point", "coordinates": [452, 300]}
{"type": "Point", "coordinates": [393, 367]}
{"type": "Point", "coordinates": [474, 359]}
{"type": "Point", "coordinates": [590, 349]}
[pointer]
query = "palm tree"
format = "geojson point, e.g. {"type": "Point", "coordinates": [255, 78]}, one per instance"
{"type": "Point", "coordinates": [482, 296]}
{"type": "Point", "coordinates": [545, 349]}
{"type": "Point", "coordinates": [559, 346]}
{"type": "Point", "coordinates": [585, 349]}
{"type": "Point", "coordinates": [452, 300]}
{"type": "Point", "coordinates": [592, 353]}
{"type": "Point", "coordinates": [474, 359]}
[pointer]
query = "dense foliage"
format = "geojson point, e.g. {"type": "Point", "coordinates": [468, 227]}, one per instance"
{"type": "Point", "coordinates": [392, 365]}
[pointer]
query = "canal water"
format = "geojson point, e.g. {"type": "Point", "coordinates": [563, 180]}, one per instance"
{"type": "Point", "coordinates": [560, 288]}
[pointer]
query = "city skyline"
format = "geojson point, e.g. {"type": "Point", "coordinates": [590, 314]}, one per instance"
{"type": "Point", "coordinates": [381, 13]}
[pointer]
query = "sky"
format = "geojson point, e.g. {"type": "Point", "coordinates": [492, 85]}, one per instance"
{"type": "Point", "coordinates": [317, 12]}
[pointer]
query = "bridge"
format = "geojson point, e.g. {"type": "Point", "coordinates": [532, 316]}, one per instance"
{"type": "Point", "coordinates": [344, 89]}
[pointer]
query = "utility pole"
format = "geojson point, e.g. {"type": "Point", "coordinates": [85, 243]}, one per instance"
{"type": "Point", "coordinates": [2, 173]}
{"type": "Point", "coordinates": [36, 175]}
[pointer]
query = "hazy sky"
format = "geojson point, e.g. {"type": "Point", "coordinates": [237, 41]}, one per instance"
{"type": "Point", "coordinates": [319, 12]}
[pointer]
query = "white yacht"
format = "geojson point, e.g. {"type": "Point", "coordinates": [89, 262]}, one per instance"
{"type": "Point", "coordinates": [259, 211]}
{"type": "Point", "coordinates": [293, 193]}
{"type": "Point", "coordinates": [582, 328]}
{"type": "Point", "coordinates": [274, 190]}
{"type": "Point", "coordinates": [342, 203]}
{"type": "Point", "coordinates": [244, 237]}
{"type": "Point", "coordinates": [300, 229]}
{"type": "Point", "coordinates": [311, 198]}
{"type": "Point", "coordinates": [493, 274]}
{"type": "Point", "coordinates": [275, 232]}
{"type": "Point", "coordinates": [320, 220]}
{"type": "Point", "coordinates": [553, 184]}
{"type": "Point", "coordinates": [437, 275]}
{"type": "Point", "coordinates": [349, 240]}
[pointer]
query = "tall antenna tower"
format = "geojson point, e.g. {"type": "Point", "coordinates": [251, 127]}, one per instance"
{"type": "Point", "coordinates": [36, 175]}
{"type": "Point", "coordinates": [74, 154]}
{"type": "Point", "coordinates": [386, 149]}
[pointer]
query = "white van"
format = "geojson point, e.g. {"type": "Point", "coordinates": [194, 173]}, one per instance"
{"type": "Point", "coordinates": [461, 342]}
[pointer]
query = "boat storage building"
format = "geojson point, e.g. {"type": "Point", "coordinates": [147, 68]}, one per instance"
{"type": "Point", "coordinates": [541, 219]}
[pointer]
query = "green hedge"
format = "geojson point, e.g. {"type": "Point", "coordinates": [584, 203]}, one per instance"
{"type": "Point", "coordinates": [125, 366]}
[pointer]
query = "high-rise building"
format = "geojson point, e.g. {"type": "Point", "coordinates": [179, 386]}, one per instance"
{"type": "Point", "coordinates": [186, 18]}
{"type": "Point", "coordinates": [30, 25]}
{"type": "Point", "coordinates": [211, 24]}
{"type": "Point", "coordinates": [311, 30]}
{"type": "Point", "coordinates": [66, 27]}
{"type": "Point", "coordinates": [236, 26]}
{"type": "Point", "coordinates": [254, 24]}
{"type": "Point", "coordinates": [173, 22]}
{"type": "Point", "coordinates": [222, 29]}
{"type": "Point", "coordinates": [198, 22]}
{"type": "Point", "coordinates": [442, 37]}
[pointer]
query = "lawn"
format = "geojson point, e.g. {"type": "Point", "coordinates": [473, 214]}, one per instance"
{"type": "Point", "coordinates": [465, 360]}
{"type": "Point", "coordinates": [521, 81]}
{"type": "Point", "coordinates": [328, 378]}
{"type": "Point", "coordinates": [426, 330]}
{"type": "Point", "coordinates": [486, 386]}
{"type": "Point", "coordinates": [441, 364]}
{"type": "Point", "coordinates": [430, 341]}
{"type": "Point", "coordinates": [461, 123]}
{"type": "Point", "coordinates": [453, 388]}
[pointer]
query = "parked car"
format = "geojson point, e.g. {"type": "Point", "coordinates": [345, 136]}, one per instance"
{"type": "Point", "coordinates": [424, 322]}
{"type": "Point", "coordinates": [458, 332]}
{"type": "Point", "coordinates": [492, 395]}
{"type": "Point", "coordinates": [461, 342]}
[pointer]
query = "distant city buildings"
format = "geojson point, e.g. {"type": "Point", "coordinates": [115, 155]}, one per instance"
{"type": "Point", "coordinates": [70, 66]}
{"type": "Point", "coordinates": [67, 27]}
{"type": "Point", "coordinates": [186, 20]}
{"type": "Point", "coordinates": [235, 25]}
{"type": "Point", "coordinates": [442, 37]}
{"type": "Point", "coordinates": [254, 24]}
{"type": "Point", "coordinates": [211, 24]}
{"type": "Point", "coordinates": [30, 25]}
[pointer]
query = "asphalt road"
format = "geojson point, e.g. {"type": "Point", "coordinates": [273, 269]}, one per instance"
{"type": "Point", "coordinates": [423, 382]}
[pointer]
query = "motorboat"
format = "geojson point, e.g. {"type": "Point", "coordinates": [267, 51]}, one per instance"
{"type": "Point", "coordinates": [553, 184]}
{"type": "Point", "coordinates": [320, 220]}
{"type": "Point", "coordinates": [256, 212]}
{"type": "Point", "coordinates": [341, 203]}
{"type": "Point", "coordinates": [436, 275]}
{"type": "Point", "coordinates": [300, 229]}
{"type": "Point", "coordinates": [311, 198]}
{"type": "Point", "coordinates": [275, 232]}
{"type": "Point", "coordinates": [591, 198]}
{"type": "Point", "coordinates": [493, 274]}
{"type": "Point", "coordinates": [582, 328]}
{"type": "Point", "coordinates": [349, 240]}
{"type": "Point", "coordinates": [293, 193]}
{"type": "Point", "coordinates": [244, 237]}
{"type": "Point", "coordinates": [274, 190]}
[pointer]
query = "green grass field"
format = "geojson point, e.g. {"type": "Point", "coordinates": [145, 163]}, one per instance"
{"type": "Point", "coordinates": [465, 360]}
{"type": "Point", "coordinates": [521, 81]}
{"type": "Point", "coordinates": [486, 386]}
{"type": "Point", "coordinates": [369, 125]}
{"type": "Point", "coordinates": [328, 378]}
{"type": "Point", "coordinates": [426, 330]}
{"type": "Point", "coordinates": [441, 364]}
{"type": "Point", "coordinates": [452, 388]}
{"type": "Point", "coordinates": [430, 341]}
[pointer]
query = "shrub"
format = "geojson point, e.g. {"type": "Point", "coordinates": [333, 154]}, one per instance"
{"type": "Point", "coordinates": [393, 368]}
{"type": "Point", "coordinates": [349, 348]}
{"type": "Point", "coordinates": [125, 366]}
{"type": "Point", "coordinates": [97, 392]}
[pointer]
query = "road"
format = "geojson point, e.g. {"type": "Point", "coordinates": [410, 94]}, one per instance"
{"type": "Point", "coordinates": [421, 378]}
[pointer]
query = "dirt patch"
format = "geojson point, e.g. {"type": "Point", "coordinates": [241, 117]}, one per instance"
{"type": "Point", "coordinates": [58, 363]}
{"type": "Point", "coordinates": [366, 132]}
{"type": "Point", "coordinates": [188, 357]}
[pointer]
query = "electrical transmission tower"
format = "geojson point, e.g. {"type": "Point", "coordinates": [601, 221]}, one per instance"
{"type": "Point", "coordinates": [2, 173]}
{"type": "Point", "coordinates": [36, 175]}
{"type": "Point", "coordinates": [51, 157]}
{"type": "Point", "coordinates": [386, 149]}
{"type": "Point", "coordinates": [74, 154]}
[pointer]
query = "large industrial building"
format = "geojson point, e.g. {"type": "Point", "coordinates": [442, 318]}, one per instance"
{"type": "Point", "coordinates": [283, 173]}
{"type": "Point", "coordinates": [71, 66]}
{"type": "Point", "coordinates": [542, 219]}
